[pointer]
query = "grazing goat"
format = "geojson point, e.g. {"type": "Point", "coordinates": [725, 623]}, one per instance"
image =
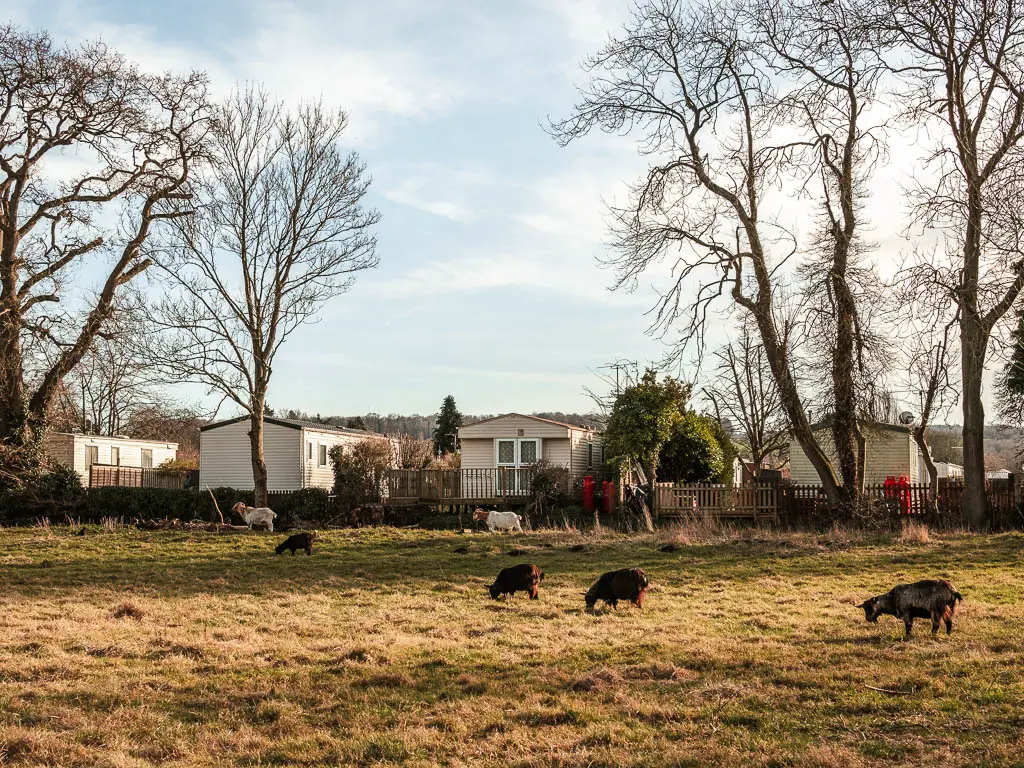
{"type": "Point", "coordinates": [297, 541]}
{"type": "Point", "coordinates": [255, 515]}
{"type": "Point", "coordinates": [505, 521]}
{"type": "Point", "coordinates": [626, 584]}
{"type": "Point", "coordinates": [933, 599]}
{"type": "Point", "coordinates": [524, 577]}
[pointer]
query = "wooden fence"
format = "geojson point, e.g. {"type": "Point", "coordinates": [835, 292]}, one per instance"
{"type": "Point", "coordinates": [808, 503]}
{"type": "Point", "coordinates": [753, 502]}
{"type": "Point", "coordinates": [103, 475]}
{"type": "Point", "coordinates": [439, 485]}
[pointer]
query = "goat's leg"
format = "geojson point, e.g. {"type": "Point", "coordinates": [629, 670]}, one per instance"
{"type": "Point", "coordinates": [908, 625]}
{"type": "Point", "coordinates": [936, 620]}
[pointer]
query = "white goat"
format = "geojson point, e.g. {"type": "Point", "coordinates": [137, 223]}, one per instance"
{"type": "Point", "coordinates": [505, 521]}
{"type": "Point", "coordinates": [257, 515]}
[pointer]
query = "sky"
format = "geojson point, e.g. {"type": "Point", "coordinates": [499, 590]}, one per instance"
{"type": "Point", "coordinates": [489, 286]}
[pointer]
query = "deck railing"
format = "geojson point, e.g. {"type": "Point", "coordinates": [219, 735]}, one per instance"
{"type": "Point", "coordinates": [457, 484]}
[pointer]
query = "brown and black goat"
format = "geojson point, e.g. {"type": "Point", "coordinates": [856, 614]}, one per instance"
{"type": "Point", "coordinates": [934, 599]}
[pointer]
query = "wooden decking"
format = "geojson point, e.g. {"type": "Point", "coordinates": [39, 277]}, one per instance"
{"type": "Point", "coordinates": [503, 485]}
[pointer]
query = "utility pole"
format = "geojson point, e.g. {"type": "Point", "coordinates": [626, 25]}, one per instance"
{"type": "Point", "coordinates": [619, 366]}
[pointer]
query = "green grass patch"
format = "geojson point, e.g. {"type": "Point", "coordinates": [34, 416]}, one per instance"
{"type": "Point", "coordinates": [383, 648]}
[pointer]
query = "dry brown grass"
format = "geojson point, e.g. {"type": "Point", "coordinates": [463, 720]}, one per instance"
{"type": "Point", "coordinates": [914, 532]}
{"type": "Point", "coordinates": [384, 649]}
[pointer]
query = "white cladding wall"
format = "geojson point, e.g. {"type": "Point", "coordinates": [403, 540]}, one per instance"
{"type": "Point", "coordinates": [888, 452]}
{"type": "Point", "coordinates": [71, 450]}
{"type": "Point", "coordinates": [479, 452]}
{"type": "Point", "coordinates": [225, 459]}
{"type": "Point", "coordinates": [317, 475]}
{"type": "Point", "coordinates": [509, 426]}
{"type": "Point", "coordinates": [587, 452]}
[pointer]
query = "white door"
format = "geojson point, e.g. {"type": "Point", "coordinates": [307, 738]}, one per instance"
{"type": "Point", "coordinates": [511, 455]}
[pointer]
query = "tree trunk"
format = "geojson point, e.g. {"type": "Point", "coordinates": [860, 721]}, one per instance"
{"type": "Point", "coordinates": [845, 432]}
{"type": "Point", "coordinates": [789, 396]}
{"type": "Point", "coordinates": [259, 464]}
{"type": "Point", "coordinates": [973, 344]}
{"type": "Point", "coordinates": [926, 454]}
{"type": "Point", "coordinates": [14, 420]}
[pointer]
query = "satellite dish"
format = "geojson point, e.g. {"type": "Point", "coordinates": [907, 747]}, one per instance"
{"type": "Point", "coordinates": [906, 418]}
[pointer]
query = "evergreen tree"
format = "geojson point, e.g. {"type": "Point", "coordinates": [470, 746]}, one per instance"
{"type": "Point", "coordinates": [448, 422]}
{"type": "Point", "coordinates": [1010, 387]}
{"type": "Point", "coordinates": [356, 423]}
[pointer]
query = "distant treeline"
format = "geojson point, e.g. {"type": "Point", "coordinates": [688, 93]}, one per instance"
{"type": "Point", "coordinates": [423, 426]}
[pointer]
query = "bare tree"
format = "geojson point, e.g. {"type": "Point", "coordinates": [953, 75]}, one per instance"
{"type": "Point", "coordinates": [706, 87]}
{"type": "Point", "coordinates": [280, 229]}
{"type": "Point", "coordinates": [967, 72]}
{"type": "Point", "coordinates": [139, 136]}
{"type": "Point", "coordinates": [931, 361]}
{"type": "Point", "coordinates": [113, 382]}
{"type": "Point", "coordinates": [833, 58]}
{"type": "Point", "coordinates": [743, 391]}
{"type": "Point", "coordinates": [927, 317]}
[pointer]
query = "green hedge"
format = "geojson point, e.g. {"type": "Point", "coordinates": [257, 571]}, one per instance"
{"type": "Point", "coordinates": [309, 504]}
{"type": "Point", "coordinates": [94, 504]}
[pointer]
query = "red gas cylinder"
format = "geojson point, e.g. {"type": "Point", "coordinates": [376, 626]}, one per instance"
{"type": "Point", "coordinates": [903, 485]}
{"type": "Point", "coordinates": [608, 497]}
{"type": "Point", "coordinates": [588, 493]}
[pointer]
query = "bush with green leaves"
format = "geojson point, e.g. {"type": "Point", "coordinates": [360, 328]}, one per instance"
{"type": "Point", "coordinates": [643, 418]}
{"type": "Point", "coordinates": [692, 454]}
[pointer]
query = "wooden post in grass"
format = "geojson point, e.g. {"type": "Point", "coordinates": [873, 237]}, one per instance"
{"type": "Point", "coordinates": [215, 505]}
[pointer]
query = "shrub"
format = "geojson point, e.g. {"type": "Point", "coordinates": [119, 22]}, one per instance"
{"type": "Point", "coordinates": [180, 464]}
{"type": "Point", "coordinates": [57, 492]}
{"type": "Point", "coordinates": [415, 453]}
{"type": "Point", "coordinates": [308, 505]}
{"type": "Point", "coordinates": [359, 472]}
{"type": "Point", "coordinates": [549, 489]}
{"type": "Point", "coordinates": [692, 455]}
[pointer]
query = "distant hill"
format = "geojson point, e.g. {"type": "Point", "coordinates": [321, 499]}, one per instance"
{"type": "Point", "coordinates": [1003, 445]}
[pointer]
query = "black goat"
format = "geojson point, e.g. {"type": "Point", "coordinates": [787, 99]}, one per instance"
{"type": "Point", "coordinates": [626, 584]}
{"type": "Point", "coordinates": [933, 599]}
{"type": "Point", "coordinates": [524, 577]}
{"type": "Point", "coordinates": [297, 541]}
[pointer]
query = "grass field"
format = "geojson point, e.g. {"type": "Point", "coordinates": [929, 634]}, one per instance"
{"type": "Point", "coordinates": [125, 648]}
